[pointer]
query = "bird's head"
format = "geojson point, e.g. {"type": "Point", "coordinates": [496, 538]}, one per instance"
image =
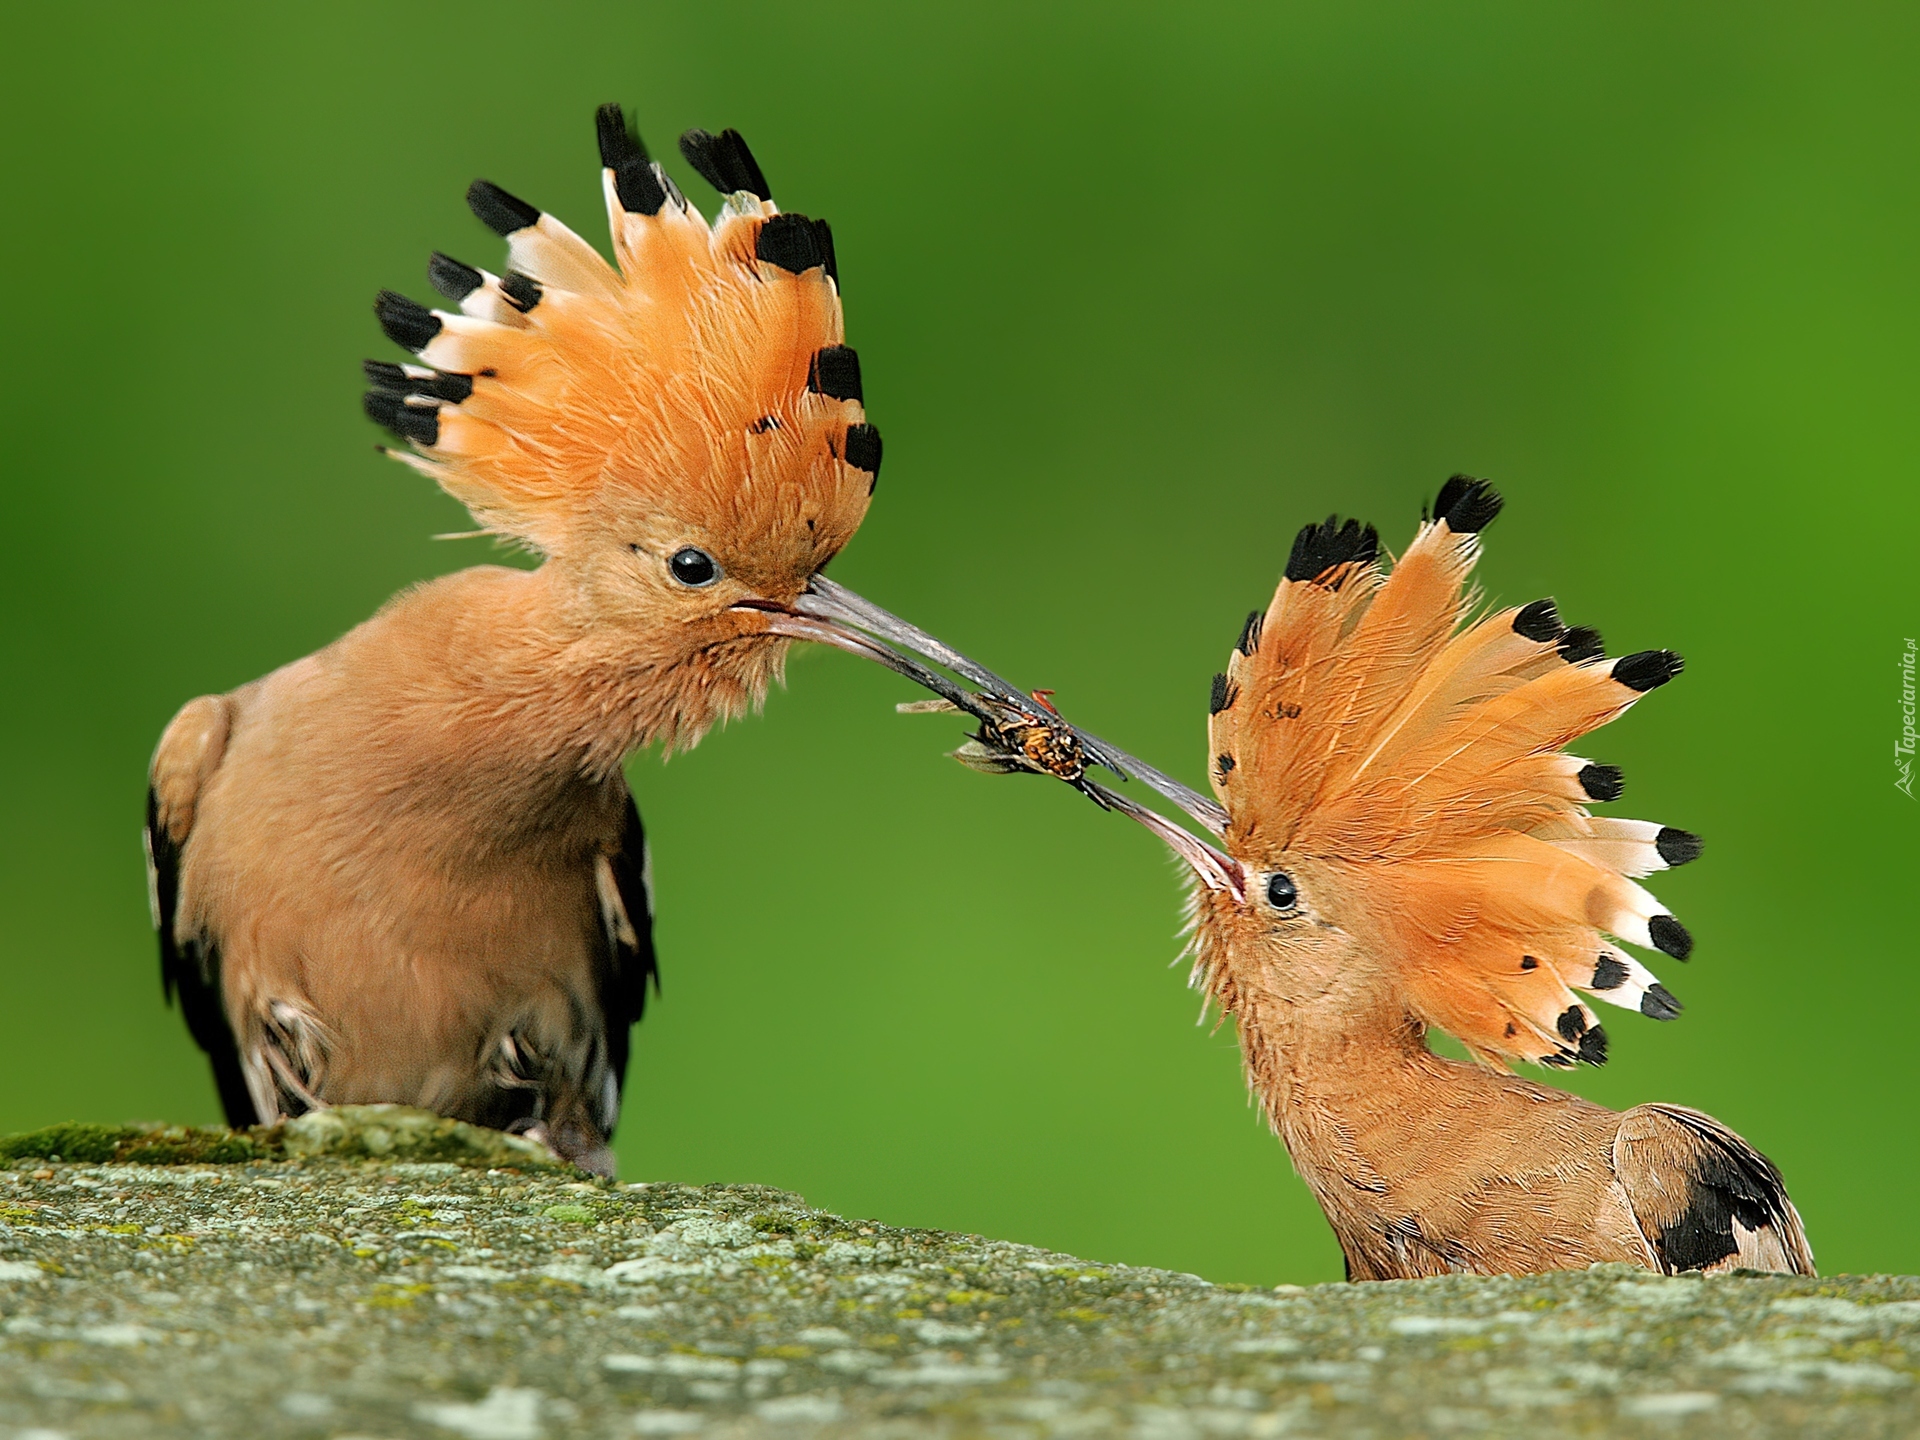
{"type": "Point", "coordinates": [682, 438]}
{"type": "Point", "coordinates": [1397, 812]}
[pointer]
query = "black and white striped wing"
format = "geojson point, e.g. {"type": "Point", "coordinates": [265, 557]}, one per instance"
{"type": "Point", "coordinates": [624, 881]}
{"type": "Point", "coordinates": [1703, 1198]}
{"type": "Point", "coordinates": [190, 963]}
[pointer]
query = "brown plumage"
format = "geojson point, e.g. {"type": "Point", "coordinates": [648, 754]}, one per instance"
{"type": "Point", "coordinates": [407, 868]}
{"type": "Point", "coordinates": [1407, 843]}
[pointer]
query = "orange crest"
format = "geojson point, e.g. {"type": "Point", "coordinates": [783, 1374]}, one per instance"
{"type": "Point", "coordinates": [703, 379]}
{"type": "Point", "coordinates": [1368, 730]}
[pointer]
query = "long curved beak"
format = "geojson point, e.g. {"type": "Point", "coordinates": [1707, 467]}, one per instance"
{"type": "Point", "coordinates": [1216, 869]}
{"type": "Point", "coordinates": [1018, 731]}
{"type": "Point", "coordinates": [1028, 733]}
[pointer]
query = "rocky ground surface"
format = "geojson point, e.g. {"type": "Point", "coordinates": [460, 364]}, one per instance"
{"type": "Point", "coordinates": [383, 1273]}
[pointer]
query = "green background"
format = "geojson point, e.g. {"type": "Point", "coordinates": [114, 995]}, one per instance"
{"type": "Point", "coordinates": [1139, 290]}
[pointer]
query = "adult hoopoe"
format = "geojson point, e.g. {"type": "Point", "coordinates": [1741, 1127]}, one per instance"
{"type": "Point", "coordinates": [407, 868]}
{"type": "Point", "coordinates": [1407, 843]}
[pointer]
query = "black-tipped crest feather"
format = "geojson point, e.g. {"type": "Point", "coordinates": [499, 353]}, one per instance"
{"type": "Point", "coordinates": [1602, 782]}
{"type": "Point", "coordinates": [435, 384]}
{"type": "Point", "coordinates": [1608, 974]}
{"type": "Point", "coordinates": [1677, 847]}
{"type": "Point", "coordinates": [407, 323]}
{"type": "Point", "coordinates": [863, 449]}
{"type": "Point", "coordinates": [1670, 937]}
{"type": "Point", "coordinates": [1659, 1004]}
{"type": "Point", "coordinates": [451, 278]}
{"type": "Point", "coordinates": [793, 242]}
{"type": "Point", "coordinates": [1467, 505]}
{"type": "Point", "coordinates": [823, 237]}
{"type": "Point", "coordinates": [725, 162]}
{"type": "Point", "coordinates": [1539, 622]}
{"type": "Point", "coordinates": [410, 422]}
{"type": "Point", "coordinates": [1593, 1046]}
{"type": "Point", "coordinates": [834, 371]}
{"type": "Point", "coordinates": [522, 291]}
{"type": "Point", "coordinates": [636, 180]}
{"type": "Point", "coordinates": [497, 210]}
{"type": "Point", "coordinates": [1225, 692]}
{"type": "Point", "coordinates": [620, 142]}
{"type": "Point", "coordinates": [1580, 644]}
{"type": "Point", "coordinates": [1249, 640]}
{"type": "Point", "coordinates": [1320, 548]}
{"type": "Point", "coordinates": [1647, 669]}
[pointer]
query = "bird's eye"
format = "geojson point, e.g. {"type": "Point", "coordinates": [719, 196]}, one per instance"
{"type": "Point", "coordinates": [1282, 893]}
{"type": "Point", "coordinates": [693, 567]}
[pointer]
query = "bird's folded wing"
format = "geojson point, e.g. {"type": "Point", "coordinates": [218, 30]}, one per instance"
{"type": "Point", "coordinates": [625, 884]}
{"type": "Point", "coordinates": [1704, 1198]}
{"type": "Point", "coordinates": [188, 754]}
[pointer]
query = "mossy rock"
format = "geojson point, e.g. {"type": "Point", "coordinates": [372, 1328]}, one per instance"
{"type": "Point", "coordinates": [396, 1132]}
{"type": "Point", "coordinates": [348, 1132]}
{"type": "Point", "coordinates": [142, 1145]}
{"type": "Point", "coordinates": [375, 1272]}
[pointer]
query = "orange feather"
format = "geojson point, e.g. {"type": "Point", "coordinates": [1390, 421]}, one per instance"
{"type": "Point", "coordinates": [619, 393]}
{"type": "Point", "coordinates": [1378, 736]}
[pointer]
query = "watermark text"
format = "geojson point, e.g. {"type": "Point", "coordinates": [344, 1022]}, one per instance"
{"type": "Point", "coordinates": [1903, 747]}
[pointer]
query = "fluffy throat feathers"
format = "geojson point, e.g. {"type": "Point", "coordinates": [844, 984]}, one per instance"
{"type": "Point", "coordinates": [701, 387]}
{"type": "Point", "coordinates": [1402, 801]}
{"type": "Point", "coordinates": [563, 694]}
{"type": "Point", "coordinates": [672, 699]}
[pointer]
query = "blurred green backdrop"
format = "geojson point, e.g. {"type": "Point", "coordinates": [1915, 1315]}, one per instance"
{"type": "Point", "coordinates": [1139, 290]}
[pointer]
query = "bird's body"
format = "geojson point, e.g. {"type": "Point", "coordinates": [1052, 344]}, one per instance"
{"type": "Point", "coordinates": [1408, 844]}
{"type": "Point", "coordinates": [416, 867]}
{"type": "Point", "coordinates": [1426, 1166]}
{"type": "Point", "coordinates": [407, 868]}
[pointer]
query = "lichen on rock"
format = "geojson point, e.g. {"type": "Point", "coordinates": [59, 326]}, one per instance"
{"type": "Point", "coordinates": [142, 1145]}
{"type": "Point", "coordinates": [396, 1132]}
{"type": "Point", "coordinates": [377, 1272]}
{"type": "Point", "coordinates": [348, 1132]}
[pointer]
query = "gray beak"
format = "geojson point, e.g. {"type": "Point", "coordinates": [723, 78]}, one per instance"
{"type": "Point", "coordinates": [1017, 731]}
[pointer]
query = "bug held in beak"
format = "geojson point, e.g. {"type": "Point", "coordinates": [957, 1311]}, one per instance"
{"type": "Point", "coordinates": [1019, 732]}
{"type": "Point", "coordinates": [1216, 870]}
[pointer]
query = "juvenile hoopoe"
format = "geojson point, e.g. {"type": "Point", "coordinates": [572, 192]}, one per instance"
{"type": "Point", "coordinates": [1405, 843]}
{"type": "Point", "coordinates": [407, 867]}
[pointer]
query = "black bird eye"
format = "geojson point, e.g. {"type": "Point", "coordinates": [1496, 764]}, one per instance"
{"type": "Point", "coordinates": [693, 567]}
{"type": "Point", "coordinates": [1282, 893]}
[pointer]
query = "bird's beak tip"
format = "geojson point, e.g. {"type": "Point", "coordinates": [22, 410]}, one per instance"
{"type": "Point", "coordinates": [1214, 868]}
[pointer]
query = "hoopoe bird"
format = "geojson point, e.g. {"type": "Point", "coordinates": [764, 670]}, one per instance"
{"type": "Point", "coordinates": [1405, 843]}
{"type": "Point", "coordinates": [407, 868]}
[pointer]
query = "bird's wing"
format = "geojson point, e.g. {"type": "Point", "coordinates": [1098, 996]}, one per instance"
{"type": "Point", "coordinates": [563, 1086]}
{"type": "Point", "coordinates": [624, 879]}
{"type": "Point", "coordinates": [1703, 1198]}
{"type": "Point", "coordinates": [188, 754]}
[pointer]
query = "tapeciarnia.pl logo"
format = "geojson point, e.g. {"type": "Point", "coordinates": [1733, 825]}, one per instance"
{"type": "Point", "coordinates": [1903, 747]}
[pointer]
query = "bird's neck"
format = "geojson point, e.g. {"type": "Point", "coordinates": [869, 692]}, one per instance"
{"type": "Point", "coordinates": [510, 688]}
{"type": "Point", "coordinates": [1421, 1164]}
{"type": "Point", "coordinates": [1344, 1074]}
